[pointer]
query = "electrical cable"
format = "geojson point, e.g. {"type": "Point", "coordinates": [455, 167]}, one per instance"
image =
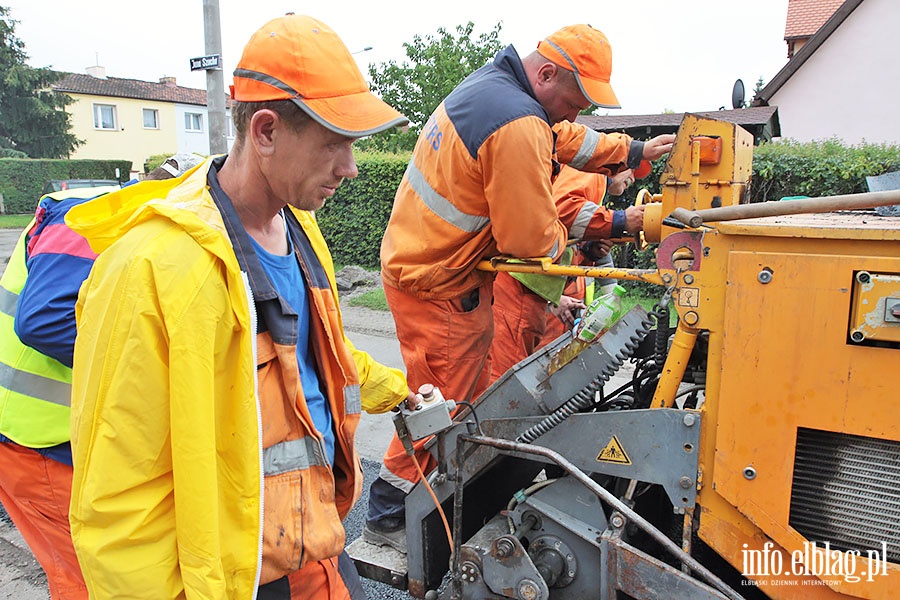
{"type": "Point", "coordinates": [437, 503]}
{"type": "Point", "coordinates": [471, 408]}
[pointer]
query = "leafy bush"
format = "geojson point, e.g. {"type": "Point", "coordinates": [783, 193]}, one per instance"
{"type": "Point", "coordinates": [10, 153]}
{"type": "Point", "coordinates": [155, 160]}
{"type": "Point", "coordinates": [819, 168]}
{"type": "Point", "coordinates": [22, 180]}
{"type": "Point", "coordinates": [354, 219]}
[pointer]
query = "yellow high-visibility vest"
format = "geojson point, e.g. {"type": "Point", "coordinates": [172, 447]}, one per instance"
{"type": "Point", "coordinates": [35, 390]}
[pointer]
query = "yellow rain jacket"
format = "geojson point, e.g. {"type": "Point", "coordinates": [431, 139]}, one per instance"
{"type": "Point", "coordinates": [167, 430]}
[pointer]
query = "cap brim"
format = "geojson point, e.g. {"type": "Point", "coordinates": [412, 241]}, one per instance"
{"type": "Point", "coordinates": [597, 92]}
{"type": "Point", "coordinates": [353, 115]}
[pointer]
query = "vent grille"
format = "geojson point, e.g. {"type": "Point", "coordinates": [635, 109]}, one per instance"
{"type": "Point", "coordinates": [846, 491]}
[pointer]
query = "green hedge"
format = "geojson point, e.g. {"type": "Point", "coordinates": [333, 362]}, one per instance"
{"type": "Point", "coordinates": [22, 180]}
{"type": "Point", "coordinates": [822, 168]}
{"type": "Point", "coordinates": [354, 219]}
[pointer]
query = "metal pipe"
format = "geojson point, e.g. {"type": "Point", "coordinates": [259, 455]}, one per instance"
{"type": "Point", "coordinates": [645, 275]}
{"type": "Point", "coordinates": [687, 534]}
{"type": "Point", "coordinates": [455, 581]}
{"type": "Point", "coordinates": [673, 370]}
{"type": "Point", "coordinates": [606, 496]}
{"type": "Point", "coordinates": [696, 218]}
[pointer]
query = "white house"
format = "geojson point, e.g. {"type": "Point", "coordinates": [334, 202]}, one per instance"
{"type": "Point", "coordinates": [844, 81]}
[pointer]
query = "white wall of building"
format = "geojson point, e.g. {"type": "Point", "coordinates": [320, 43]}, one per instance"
{"type": "Point", "coordinates": [190, 140]}
{"type": "Point", "coordinates": [848, 88]}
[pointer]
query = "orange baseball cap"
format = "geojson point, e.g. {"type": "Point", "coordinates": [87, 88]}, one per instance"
{"type": "Point", "coordinates": [298, 58]}
{"type": "Point", "coordinates": [586, 52]}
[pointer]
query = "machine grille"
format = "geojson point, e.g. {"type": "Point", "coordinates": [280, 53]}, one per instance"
{"type": "Point", "coordinates": [846, 491]}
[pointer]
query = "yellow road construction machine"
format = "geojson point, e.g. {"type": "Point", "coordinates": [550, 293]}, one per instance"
{"type": "Point", "coordinates": [752, 450]}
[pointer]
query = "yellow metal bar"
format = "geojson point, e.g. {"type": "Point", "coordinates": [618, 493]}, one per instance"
{"type": "Point", "coordinates": [547, 268]}
{"type": "Point", "coordinates": [695, 171]}
{"type": "Point", "coordinates": [676, 363]}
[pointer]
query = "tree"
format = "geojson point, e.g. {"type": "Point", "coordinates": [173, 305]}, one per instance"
{"type": "Point", "coordinates": [437, 64]}
{"type": "Point", "coordinates": [33, 118]}
{"type": "Point", "coordinates": [760, 84]}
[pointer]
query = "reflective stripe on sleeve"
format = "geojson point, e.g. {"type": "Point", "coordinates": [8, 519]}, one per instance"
{"type": "Point", "coordinates": [440, 205]}
{"type": "Point", "coordinates": [582, 220]}
{"type": "Point", "coordinates": [588, 147]}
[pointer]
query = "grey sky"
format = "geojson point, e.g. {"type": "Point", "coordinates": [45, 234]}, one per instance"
{"type": "Point", "coordinates": [681, 55]}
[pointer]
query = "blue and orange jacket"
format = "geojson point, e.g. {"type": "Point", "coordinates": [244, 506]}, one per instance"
{"type": "Point", "coordinates": [198, 470]}
{"type": "Point", "coordinates": [37, 327]}
{"type": "Point", "coordinates": [58, 261]}
{"type": "Point", "coordinates": [479, 183]}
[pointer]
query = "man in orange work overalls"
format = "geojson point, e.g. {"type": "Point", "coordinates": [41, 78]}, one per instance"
{"type": "Point", "coordinates": [522, 303]}
{"type": "Point", "coordinates": [479, 184]}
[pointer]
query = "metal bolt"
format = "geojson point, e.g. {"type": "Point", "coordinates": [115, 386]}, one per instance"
{"type": "Point", "coordinates": [617, 520]}
{"type": "Point", "coordinates": [765, 276]}
{"type": "Point", "coordinates": [749, 472]}
{"type": "Point", "coordinates": [691, 318]}
{"type": "Point", "coordinates": [686, 482]}
{"type": "Point", "coordinates": [857, 336]}
{"type": "Point", "coordinates": [863, 277]}
{"type": "Point", "coordinates": [528, 590]}
{"type": "Point", "coordinates": [503, 548]}
{"type": "Point", "coordinates": [689, 420]}
{"type": "Point", "coordinates": [667, 278]}
{"type": "Point", "coordinates": [688, 278]}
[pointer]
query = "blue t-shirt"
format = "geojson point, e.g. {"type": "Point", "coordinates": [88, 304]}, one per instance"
{"type": "Point", "coordinates": [284, 273]}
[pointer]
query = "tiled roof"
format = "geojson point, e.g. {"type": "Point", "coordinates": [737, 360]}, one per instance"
{"type": "Point", "coordinates": [805, 17]}
{"type": "Point", "coordinates": [76, 83]}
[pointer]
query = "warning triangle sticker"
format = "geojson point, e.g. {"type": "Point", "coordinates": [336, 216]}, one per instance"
{"type": "Point", "coordinates": [614, 453]}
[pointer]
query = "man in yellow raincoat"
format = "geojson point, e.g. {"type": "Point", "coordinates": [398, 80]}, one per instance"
{"type": "Point", "coordinates": [215, 395]}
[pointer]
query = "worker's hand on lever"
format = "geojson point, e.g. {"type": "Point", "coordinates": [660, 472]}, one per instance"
{"type": "Point", "coordinates": [565, 310]}
{"type": "Point", "coordinates": [658, 146]}
{"type": "Point", "coordinates": [634, 219]}
{"type": "Point", "coordinates": [412, 400]}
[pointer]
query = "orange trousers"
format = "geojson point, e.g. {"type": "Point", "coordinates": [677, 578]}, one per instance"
{"type": "Point", "coordinates": [520, 321]}
{"type": "Point", "coordinates": [330, 579]}
{"type": "Point", "coordinates": [35, 491]}
{"type": "Point", "coordinates": [443, 342]}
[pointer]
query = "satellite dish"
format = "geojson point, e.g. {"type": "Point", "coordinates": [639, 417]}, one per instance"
{"type": "Point", "coordinates": [737, 94]}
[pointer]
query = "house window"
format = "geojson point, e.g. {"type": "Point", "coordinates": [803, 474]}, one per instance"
{"type": "Point", "coordinates": [151, 118]}
{"type": "Point", "coordinates": [105, 116]}
{"type": "Point", "coordinates": [229, 128]}
{"type": "Point", "coordinates": [193, 121]}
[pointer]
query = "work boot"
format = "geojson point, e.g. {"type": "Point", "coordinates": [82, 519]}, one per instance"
{"type": "Point", "coordinates": [386, 532]}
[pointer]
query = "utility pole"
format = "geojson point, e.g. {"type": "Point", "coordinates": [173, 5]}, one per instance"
{"type": "Point", "coordinates": [215, 81]}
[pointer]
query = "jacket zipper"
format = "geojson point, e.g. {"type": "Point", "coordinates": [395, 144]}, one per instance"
{"type": "Point", "coordinates": [262, 476]}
